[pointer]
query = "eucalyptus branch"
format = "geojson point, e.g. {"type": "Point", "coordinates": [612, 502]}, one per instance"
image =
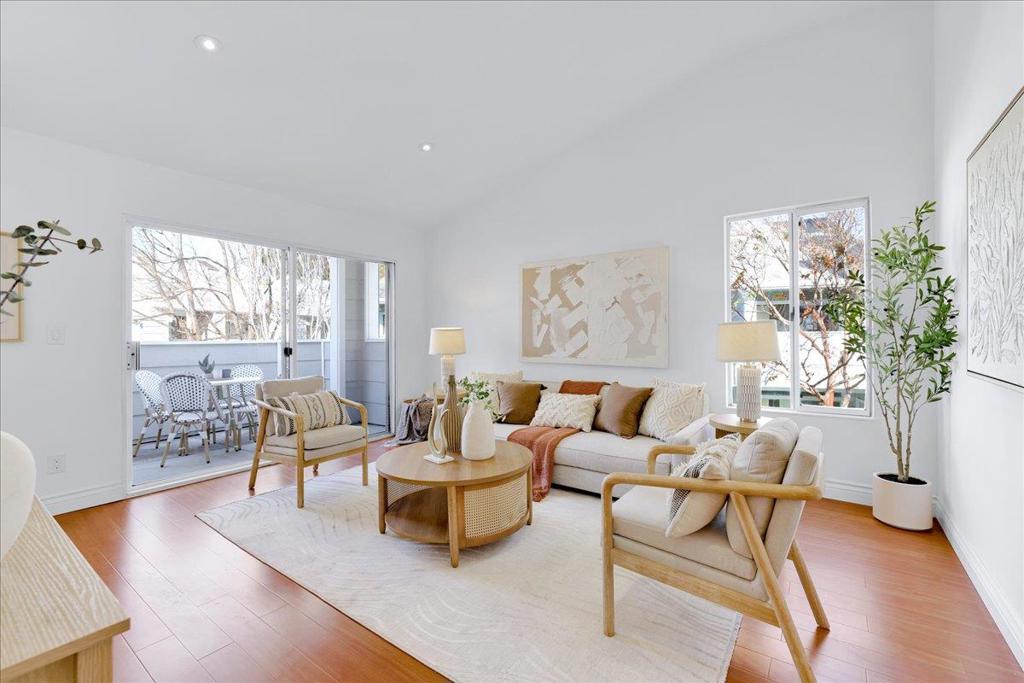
{"type": "Point", "coordinates": [39, 244]}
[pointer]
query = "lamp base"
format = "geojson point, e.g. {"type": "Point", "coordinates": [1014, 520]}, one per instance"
{"type": "Point", "coordinates": [438, 459]}
{"type": "Point", "coordinates": [748, 392]}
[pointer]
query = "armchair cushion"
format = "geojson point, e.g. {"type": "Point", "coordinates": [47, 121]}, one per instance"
{"type": "Point", "coordinates": [319, 410]}
{"type": "Point", "coordinates": [338, 438]}
{"type": "Point", "coordinates": [640, 517]}
{"type": "Point", "coordinates": [762, 457]}
{"type": "Point", "coordinates": [690, 511]}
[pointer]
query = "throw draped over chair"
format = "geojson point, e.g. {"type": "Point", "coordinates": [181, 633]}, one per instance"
{"type": "Point", "coordinates": [704, 563]}
{"type": "Point", "coordinates": [192, 403]}
{"type": "Point", "coordinates": [306, 446]}
{"type": "Point", "coordinates": [156, 411]}
{"type": "Point", "coordinates": [243, 395]}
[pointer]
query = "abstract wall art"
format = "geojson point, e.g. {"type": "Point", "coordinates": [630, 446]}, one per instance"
{"type": "Point", "coordinates": [995, 250]}
{"type": "Point", "coordinates": [610, 309]}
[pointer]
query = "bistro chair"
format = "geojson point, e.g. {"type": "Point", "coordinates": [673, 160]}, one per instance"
{"type": "Point", "coordinates": [148, 383]}
{"type": "Point", "coordinates": [192, 403]}
{"type": "Point", "coordinates": [243, 394]}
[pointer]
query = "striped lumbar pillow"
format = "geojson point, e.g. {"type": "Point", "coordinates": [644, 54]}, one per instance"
{"type": "Point", "coordinates": [319, 410]}
{"type": "Point", "coordinates": [691, 511]}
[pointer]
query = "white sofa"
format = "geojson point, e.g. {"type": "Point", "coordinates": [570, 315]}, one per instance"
{"type": "Point", "coordinates": [583, 460]}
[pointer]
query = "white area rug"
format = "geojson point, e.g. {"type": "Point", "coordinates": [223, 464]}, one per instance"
{"type": "Point", "coordinates": [527, 608]}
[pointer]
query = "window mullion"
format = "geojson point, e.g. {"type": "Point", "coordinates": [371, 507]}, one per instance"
{"type": "Point", "coordinates": [794, 312]}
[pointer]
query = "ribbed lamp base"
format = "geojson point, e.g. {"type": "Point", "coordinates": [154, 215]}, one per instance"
{"type": "Point", "coordinates": [748, 392]}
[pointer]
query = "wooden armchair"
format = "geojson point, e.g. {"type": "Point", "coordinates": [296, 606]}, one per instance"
{"type": "Point", "coordinates": [704, 563]}
{"type": "Point", "coordinates": [305, 447]}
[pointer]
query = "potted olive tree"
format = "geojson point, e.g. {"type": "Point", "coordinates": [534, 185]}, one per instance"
{"type": "Point", "coordinates": [901, 322]}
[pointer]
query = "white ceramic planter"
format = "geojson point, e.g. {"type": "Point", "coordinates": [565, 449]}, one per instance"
{"type": "Point", "coordinates": [477, 433]}
{"type": "Point", "coordinates": [906, 506]}
{"type": "Point", "coordinates": [17, 488]}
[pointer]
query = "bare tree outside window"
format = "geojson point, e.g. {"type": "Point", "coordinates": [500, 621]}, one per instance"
{"type": "Point", "coordinates": [829, 244]}
{"type": "Point", "coordinates": [192, 288]}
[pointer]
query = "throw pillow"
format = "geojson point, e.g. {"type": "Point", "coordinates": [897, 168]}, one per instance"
{"type": "Point", "coordinates": [571, 386]}
{"type": "Point", "coordinates": [691, 511]}
{"type": "Point", "coordinates": [621, 408]}
{"type": "Point", "coordinates": [319, 410]}
{"type": "Point", "coordinates": [671, 407]}
{"type": "Point", "coordinates": [566, 410]}
{"type": "Point", "coordinates": [517, 401]}
{"type": "Point", "coordinates": [492, 379]}
{"type": "Point", "coordinates": [762, 457]}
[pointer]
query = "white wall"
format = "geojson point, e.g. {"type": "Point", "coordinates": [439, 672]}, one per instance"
{"type": "Point", "coordinates": [843, 111]}
{"type": "Point", "coordinates": [979, 67]}
{"type": "Point", "coordinates": [70, 399]}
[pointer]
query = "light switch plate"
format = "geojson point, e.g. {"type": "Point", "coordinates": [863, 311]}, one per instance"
{"type": "Point", "coordinates": [56, 335]}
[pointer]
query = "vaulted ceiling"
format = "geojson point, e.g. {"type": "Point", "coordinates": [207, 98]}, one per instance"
{"type": "Point", "coordinates": [330, 102]}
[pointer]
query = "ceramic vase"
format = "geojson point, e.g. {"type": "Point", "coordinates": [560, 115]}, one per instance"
{"type": "Point", "coordinates": [477, 432]}
{"type": "Point", "coordinates": [17, 488]}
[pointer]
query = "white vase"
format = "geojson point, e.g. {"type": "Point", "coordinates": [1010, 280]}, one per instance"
{"type": "Point", "coordinates": [477, 433]}
{"type": "Point", "coordinates": [902, 505]}
{"type": "Point", "coordinates": [17, 488]}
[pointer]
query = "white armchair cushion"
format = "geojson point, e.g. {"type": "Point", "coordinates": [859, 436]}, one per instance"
{"type": "Point", "coordinates": [671, 407]}
{"type": "Point", "coordinates": [762, 458]}
{"type": "Point", "coordinates": [338, 437]}
{"type": "Point", "coordinates": [566, 410]}
{"type": "Point", "coordinates": [690, 511]}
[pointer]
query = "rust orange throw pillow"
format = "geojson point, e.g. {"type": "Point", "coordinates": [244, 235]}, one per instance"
{"type": "Point", "coordinates": [571, 386]}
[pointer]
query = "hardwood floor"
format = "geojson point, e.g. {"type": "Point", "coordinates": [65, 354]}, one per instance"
{"type": "Point", "coordinates": [900, 604]}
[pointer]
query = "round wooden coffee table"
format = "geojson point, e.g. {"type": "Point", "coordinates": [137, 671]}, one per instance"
{"type": "Point", "coordinates": [731, 424]}
{"type": "Point", "coordinates": [464, 503]}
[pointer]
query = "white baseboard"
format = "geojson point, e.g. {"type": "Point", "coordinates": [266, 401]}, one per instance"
{"type": "Point", "coordinates": [848, 491]}
{"type": "Point", "coordinates": [86, 498]}
{"type": "Point", "coordinates": [1009, 624]}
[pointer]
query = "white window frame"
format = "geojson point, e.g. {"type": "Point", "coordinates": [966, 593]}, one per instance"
{"type": "Point", "coordinates": [371, 302]}
{"type": "Point", "coordinates": [795, 211]}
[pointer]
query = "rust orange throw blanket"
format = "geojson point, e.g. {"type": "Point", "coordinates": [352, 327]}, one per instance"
{"type": "Point", "coordinates": [542, 442]}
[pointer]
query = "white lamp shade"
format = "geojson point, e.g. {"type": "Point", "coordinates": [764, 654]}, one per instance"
{"type": "Point", "coordinates": [447, 341]}
{"type": "Point", "coordinates": [748, 342]}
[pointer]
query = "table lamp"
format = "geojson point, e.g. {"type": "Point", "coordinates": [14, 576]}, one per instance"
{"type": "Point", "coordinates": [449, 342]}
{"type": "Point", "coordinates": [750, 344]}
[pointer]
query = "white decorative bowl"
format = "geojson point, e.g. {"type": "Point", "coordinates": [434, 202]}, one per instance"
{"type": "Point", "coordinates": [17, 488]}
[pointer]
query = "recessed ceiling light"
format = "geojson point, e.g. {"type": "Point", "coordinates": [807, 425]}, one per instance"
{"type": "Point", "coordinates": [425, 147]}
{"type": "Point", "coordinates": [208, 43]}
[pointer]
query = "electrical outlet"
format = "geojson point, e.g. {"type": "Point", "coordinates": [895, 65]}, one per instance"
{"type": "Point", "coordinates": [57, 464]}
{"type": "Point", "coordinates": [56, 335]}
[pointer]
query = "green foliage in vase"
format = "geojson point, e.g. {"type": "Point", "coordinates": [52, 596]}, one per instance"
{"type": "Point", "coordinates": [902, 321]}
{"type": "Point", "coordinates": [477, 391]}
{"type": "Point", "coordinates": [44, 240]}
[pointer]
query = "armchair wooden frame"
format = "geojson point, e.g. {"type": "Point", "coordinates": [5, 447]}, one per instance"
{"type": "Point", "coordinates": [775, 610]}
{"type": "Point", "coordinates": [299, 460]}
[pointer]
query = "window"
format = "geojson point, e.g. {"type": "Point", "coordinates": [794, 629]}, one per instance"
{"type": "Point", "coordinates": [786, 266]}
{"type": "Point", "coordinates": [376, 301]}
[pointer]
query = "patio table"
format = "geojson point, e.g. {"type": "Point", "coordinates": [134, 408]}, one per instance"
{"type": "Point", "coordinates": [223, 383]}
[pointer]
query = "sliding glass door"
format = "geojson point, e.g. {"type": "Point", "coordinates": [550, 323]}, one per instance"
{"type": "Point", "coordinates": [218, 315]}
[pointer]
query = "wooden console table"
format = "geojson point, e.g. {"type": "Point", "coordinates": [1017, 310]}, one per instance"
{"type": "Point", "coordinates": [57, 618]}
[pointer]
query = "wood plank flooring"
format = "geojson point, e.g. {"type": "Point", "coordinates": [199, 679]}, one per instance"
{"type": "Point", "coordinates": [901, 606]}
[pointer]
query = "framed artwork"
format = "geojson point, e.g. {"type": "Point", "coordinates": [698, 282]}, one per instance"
{"type": "Point", "coordinates": [995, 250]}
{"type": "Point", "coordinates": [10, 325]}
{"type": "Point", "coordinates": [609, 309]}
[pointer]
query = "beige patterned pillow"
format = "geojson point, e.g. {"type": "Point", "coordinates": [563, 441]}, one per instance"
{"type": "Point", "coordinates": [671, 407]}
{"type": "Point", "coordinates": [319, 410]}
{"type": "Point", "coordinates": [691, 511]}
{"type": "Point", "coordinates": [492, 379]}
{"type": "Point", "coordinates": [566, 410]}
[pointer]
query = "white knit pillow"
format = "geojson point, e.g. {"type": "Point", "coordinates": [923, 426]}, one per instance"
{"type": "Point", "coordinates": [566, 410]}
{"type": "Point", "coordinates": [671, 407]}
{"type": "Point", "coordinates": [691, 511]}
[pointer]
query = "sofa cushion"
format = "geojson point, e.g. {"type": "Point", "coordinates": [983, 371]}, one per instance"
{"type": "Point", "coordinates": [329, 437]}
{"type": "Point", "coordinates": [566, 410]}
{"type": "Point", "coordinates": [517, 401]}
{"type": "Point", "coordinates": [492, 379]}
{"type": "Point", "coordinates": [575, 386]}
{"type": "Point", "coordinates": [640, 516]}
{"type": "Point", "coordinates": [599, 451]}
{"type": "Point", "coordinates": [671, 407]}
{"type": "Point", "coordinates": [620, 410]}
{"type": "Point", "coordinates": [761, 458]}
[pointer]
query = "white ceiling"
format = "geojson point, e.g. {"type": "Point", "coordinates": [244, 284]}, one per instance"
{"type": "Point", "coordinates": [329, 102]}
